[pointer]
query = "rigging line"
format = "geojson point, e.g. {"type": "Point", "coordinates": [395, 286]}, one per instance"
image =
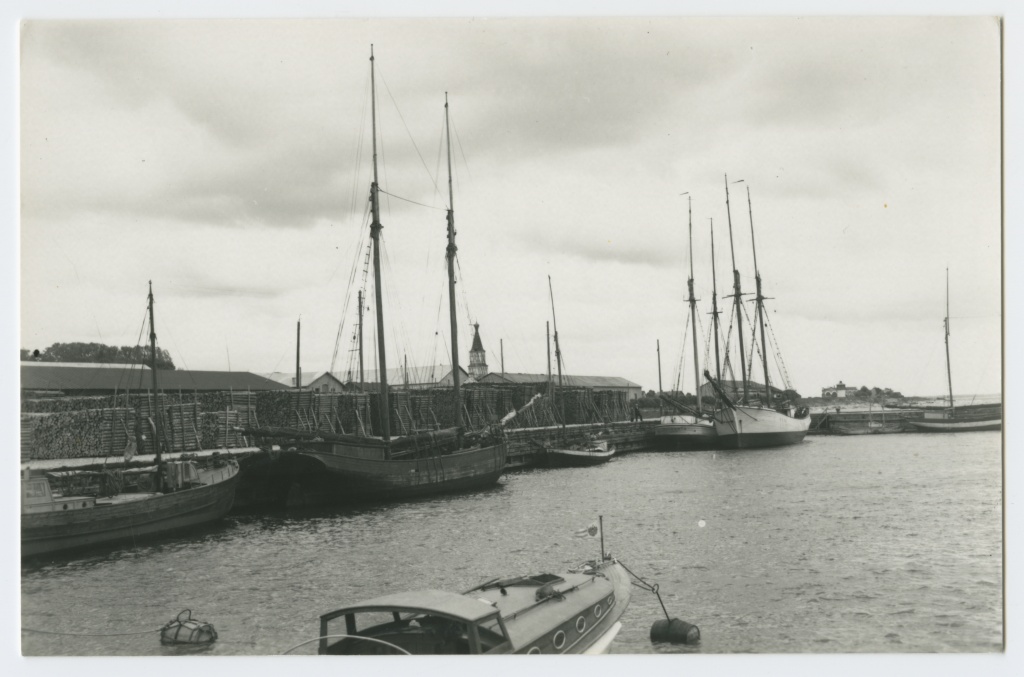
{"type": "Point", "coordinates": [458, 141]}
{"type": "Point", "coordinates": [348, 288]}
{"type": "Point", "coordinates": [440, 209]}
{"type": "Point", "coordinates": [402, 118]}
{"type": "Point", "coordinates": [462, 279]}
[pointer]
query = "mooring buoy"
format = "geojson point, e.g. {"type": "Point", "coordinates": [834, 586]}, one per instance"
{"type": "Point", "coordinates": [674, 631]}
{"type": "Point", "coordinates": [183, 629]}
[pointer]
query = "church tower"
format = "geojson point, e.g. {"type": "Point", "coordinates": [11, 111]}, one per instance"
{"type": "Point", "coordinates": [477, 357]}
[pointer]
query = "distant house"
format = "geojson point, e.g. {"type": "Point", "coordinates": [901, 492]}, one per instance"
{"type": "Point", "coordinates": [839, 390]}
{"type": "Point", "coordinates": [614, 383]}
{"type": "Point", "coordinates": [105, 379]}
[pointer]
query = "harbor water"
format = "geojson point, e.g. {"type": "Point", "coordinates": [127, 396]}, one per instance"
{"type": "Point", "coordinates": [875, 543]}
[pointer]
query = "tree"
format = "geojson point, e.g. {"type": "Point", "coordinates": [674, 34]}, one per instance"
{"type": "Point", "coordinates": [102, 354]}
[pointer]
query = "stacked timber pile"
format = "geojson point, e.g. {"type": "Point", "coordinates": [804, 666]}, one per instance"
{"type": "Point", "coordinates": [73, 434]}
{"type": "Point", "coordinates": [183, 429]}
{"type": "Point", "coordinates": [29, 422]}
{"type": "Point", "coordinates": [354, 416]}
{"type": "Point", "coordinates": [401, 413]}
{"type": "Point", "coordinates": [149, 407]}
{"type": "Point", "coordinates": [274, 408]}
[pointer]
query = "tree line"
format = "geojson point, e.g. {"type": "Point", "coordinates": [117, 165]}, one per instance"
{"type": "Point", "coordinates": [98, 353]}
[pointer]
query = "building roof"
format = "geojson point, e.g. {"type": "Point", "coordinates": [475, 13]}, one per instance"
{"type": "Point", "coordinates": [59, 376]}
{"type": "Point", "coordinates": [396, 376]}
{"type": "Point", "coordinates": [578, 381]}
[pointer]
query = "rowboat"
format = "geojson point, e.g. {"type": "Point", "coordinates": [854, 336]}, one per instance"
{"type": "Point", "coordinates": [576, 612]}
{"type": "Point", "coordinates": [589, 452]}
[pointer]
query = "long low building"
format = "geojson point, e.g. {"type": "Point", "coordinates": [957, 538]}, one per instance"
{"type": "Point", "coordinates": [104, 379]}
{"type": "Point", "coordinates": [615, 383]}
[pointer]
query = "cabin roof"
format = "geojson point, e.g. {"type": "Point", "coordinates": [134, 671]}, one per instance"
{"type": "Point", "coordinates": [428, 601]}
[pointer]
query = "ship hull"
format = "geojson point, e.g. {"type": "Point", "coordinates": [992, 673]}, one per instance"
{"type": "Point", "coordinates": [953, 426]}
{"type": "Point", "coordinates": [371, 477]}
{"type": "Point", "coordinates": [152, 515]}
{"type": "Point", "coordinates": [677, 433]}
{"type": "Point", "coordinates": [573, 458]}
{"type": "Point", "coordinates": [754, 428]}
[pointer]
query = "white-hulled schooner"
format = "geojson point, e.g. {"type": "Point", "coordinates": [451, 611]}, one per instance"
{"type": "Point", "coordinates": [750, 421]}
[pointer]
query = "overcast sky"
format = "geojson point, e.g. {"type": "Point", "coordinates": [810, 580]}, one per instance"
{"type": "Point", "coordinates": [229, 162]}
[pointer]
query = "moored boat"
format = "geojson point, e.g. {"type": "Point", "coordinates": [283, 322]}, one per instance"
{"type": "Point", "coordinates": [130, 504]}
{"type": "Point", "coordinates": [435, 462]}
{"type": "Point", "coordinates": [681, 432]}
{"type": "Point", "coordinates": [586, 453]}
{"type": "Point", "coordinates": [958, 419]}
{"type": "Point", "coordinates": [752, 422]}
{"type": "Point", "coordinates": [692, 432]}
{"type": "Point", "coordinates": [189, 496]}
{"type": "Point", "coordinates": [575, 612]}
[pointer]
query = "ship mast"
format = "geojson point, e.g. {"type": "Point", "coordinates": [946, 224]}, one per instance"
{"type": "Point", "coordinates": [760, 306]}
{"type": "Point", "coordinates": [558, 351]}
{"type": "Point", "coordinates": [361, 377]}
{"type": "Point", "coordinates": [693, 307]}
{"type": "Point", "coordinates": [375, 228]}
{"type": "Point", "coordinates": [737, 300]}
{"type": "Point", "coordinates": [714, 303]}
{"type": "Point", "coordinates": [451, 279]}
{"type": "Point", "coordinates": [156, 392]}
{"type": "Point", "coordinates": [949, 373]}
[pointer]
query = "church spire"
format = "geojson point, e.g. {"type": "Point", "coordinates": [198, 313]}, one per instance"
{"type": "Point", "coordinates": [477, 356]}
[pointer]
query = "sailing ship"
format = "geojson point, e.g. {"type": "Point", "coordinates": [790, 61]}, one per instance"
{"type": "Point", "coordinates": [689, 431]}
{"type": "Point", "coordinates": [169, 496]}
{"type": "Point", "coordinates": [566, 453]}
{"type": "Point", "coordinates": [958, 419]}
{"type": "Point", "coordinates": [427, 463]}
{"type": "Point", "coordinates": [576, 612]}
{"type": "Point", "coordinates": [750, 423]}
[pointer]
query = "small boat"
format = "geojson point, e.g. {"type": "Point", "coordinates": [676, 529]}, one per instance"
{"type": "Point", "coordinates": [167, 496]}
{"type": "Point", "coordinates": [576, 612]}
{"type": "Point", "coordinates": [954, 419]}
{"type": "Point", "coordinates": [586, 453]}
{"type": "Point", "coordinates": [690, 432]}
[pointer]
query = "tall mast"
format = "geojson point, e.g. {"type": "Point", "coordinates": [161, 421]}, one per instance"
{"type": "Point", "coordinates": [760, 305]}
{"type": "Point", "coordinates": [714, 303]}
{"type": "Point", "coordinates": [361, 377]}
{"type": "Point", "coordinates": [737, 294]}
{"type": "Point", "coordinates": [298, 348]}
{"type": "Point", "coordinates": [949, 373]}
{"type": "Point", "coordinates": [156, 392]}
{"type": "Point", "coordinates": [451, 277]}
{"type": "Point", "coordinates": [558, 351]}
{"type": "Point", "coordinates": [547, 328]}
{"type": "Point", "coordinates": [375, 228]}
{"type": "Point", "coordinates": [693, 308]}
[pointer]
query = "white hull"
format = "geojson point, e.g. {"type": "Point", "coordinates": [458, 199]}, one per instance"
{"type": "Point", "coordinates": [751, 427]}
{"type": "Point", "coordinates": [685, 433]}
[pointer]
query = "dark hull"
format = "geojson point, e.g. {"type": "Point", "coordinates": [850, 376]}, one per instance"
{"type": "Point", "coordinates": [356, 478]}
{"type": "Point", "coordinates": [690, 437]}
{"type": "Point", "coordinates": [49, 532]}
{"type": "Point", "coordinates": [569, 458]}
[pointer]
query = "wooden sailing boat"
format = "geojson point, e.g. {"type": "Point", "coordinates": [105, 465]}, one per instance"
{"type": "Point", "coordinates": [953, 418]}
{"type": "Point", "coordinates": [152, 501]}
{"type": "Point", "coordinates": [428, 463]}
{"type": "Point", "coordinates": [746, 424]}
{"type": "Point", "coordinates": [584, 451]}
{"type": "Point", "coordinates": [688, 431]}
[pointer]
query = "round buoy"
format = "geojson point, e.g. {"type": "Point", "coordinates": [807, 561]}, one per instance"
{"type": "Point", "coordinates": [185, 630]}
{"type": "Point", "coordinates": [675, 631]}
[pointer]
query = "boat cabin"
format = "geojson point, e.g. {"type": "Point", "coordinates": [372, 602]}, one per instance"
{"type": "Point", "coordinates": [36, 496]}
{"type": "Point", "coordinates": [419, 622]}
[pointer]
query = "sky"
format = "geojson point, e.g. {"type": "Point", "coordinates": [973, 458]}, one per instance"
{"type": "Point", "coordinates": [229, 162]}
